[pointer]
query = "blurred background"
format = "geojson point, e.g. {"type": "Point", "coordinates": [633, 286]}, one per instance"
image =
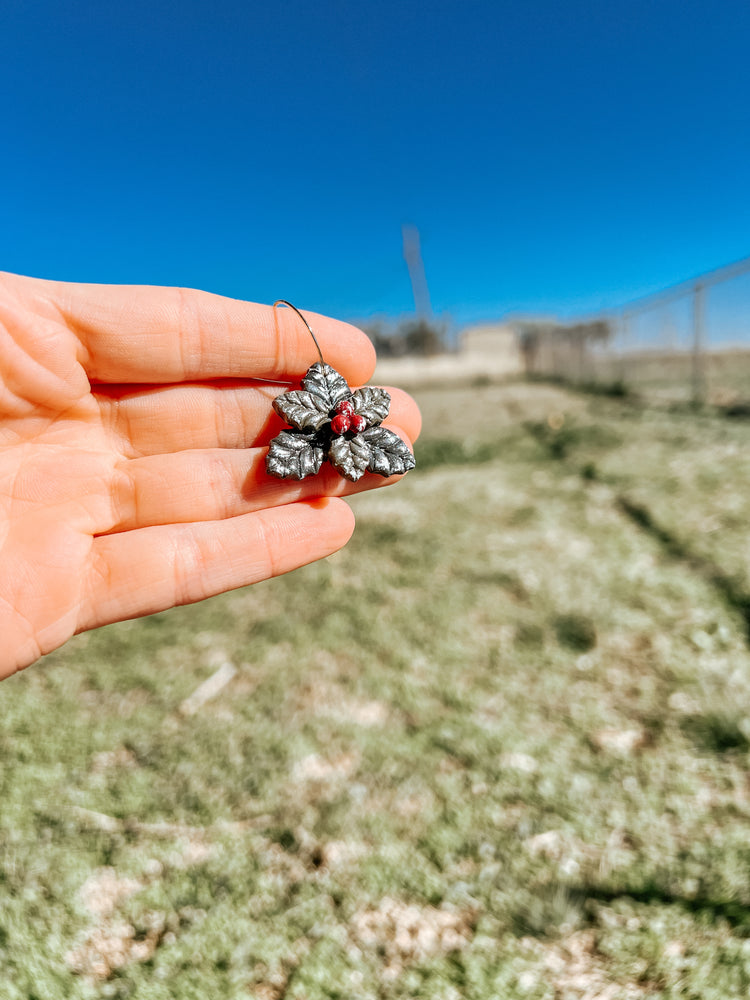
{"type": "Point", "coordinates": [498, 746]}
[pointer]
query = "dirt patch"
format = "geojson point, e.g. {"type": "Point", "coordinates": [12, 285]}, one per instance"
{"type": "Point", "coordinates": [405, 933]}
{"type": "Point", "coordinates": [577, 972]}
{"type": "Point", "coordinates": [110, 947]}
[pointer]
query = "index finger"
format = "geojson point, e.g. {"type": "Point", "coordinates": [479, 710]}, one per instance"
{"type": "Point", "coordinates": [143, 333]}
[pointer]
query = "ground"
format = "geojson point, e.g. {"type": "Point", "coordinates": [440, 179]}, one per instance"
{"type": "Point", "coordinates": [495, 748]}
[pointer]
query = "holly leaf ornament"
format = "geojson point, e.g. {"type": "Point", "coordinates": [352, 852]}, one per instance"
{"type": "Point", "coordinates": [349, 457]}
{"type": "Point", "coordinates": [303, 410]}
{"type": "Point", "coordinates": [294, 456]}
{"type": "Point", "coordinates": [389, 456]}
{"type": "Point", "coordinates": [372, 403]}
{"type": "Point", "coordinates": [329, 421]}
{"type": "Point", "coordinates": [325, 382]}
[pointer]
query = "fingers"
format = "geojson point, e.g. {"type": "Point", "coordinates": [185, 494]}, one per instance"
{"type": "Point", "coordinates": [140, 572]}
{"type": "Point", "coordinates": [142, 421]}
{"type": "Point", "coordinates": [150, 334]}
{"type": "Point", "coordinates": [213, 484]}
{"type": "Point", "coordinates": [205, 415]}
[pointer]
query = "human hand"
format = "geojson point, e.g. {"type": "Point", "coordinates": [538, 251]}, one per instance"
{"type": "Point", "coordinates": [132, 453]}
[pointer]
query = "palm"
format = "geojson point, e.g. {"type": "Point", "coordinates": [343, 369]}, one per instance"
{"type": "Point", "coordinates": [131, 454]}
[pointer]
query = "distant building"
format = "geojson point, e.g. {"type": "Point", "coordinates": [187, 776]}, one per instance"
{"type": "Point", "coordinates": [488, 350]}
{"type": "Point", "coordinates": [492, 347]}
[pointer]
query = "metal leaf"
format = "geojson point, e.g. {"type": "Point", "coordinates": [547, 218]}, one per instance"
{"type": "Point", "coordinates": [294, 456]}
{"type": "Point", "coordinates": [302, 410]}
{"type": "Point", "coordinates": [326, 383]}
{"type": "Point", "coordinates": [350, 456]}
{"type": "Point", "coordinates": [372, 404]}
{"type": "Point", "coordinates": [389, 455]}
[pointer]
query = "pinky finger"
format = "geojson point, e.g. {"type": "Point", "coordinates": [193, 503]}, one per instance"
{"type": "Point", "coordinates": [150, 569]}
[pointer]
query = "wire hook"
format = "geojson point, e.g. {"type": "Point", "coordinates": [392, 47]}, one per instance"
{"type": "Point", "coordinates": [283, 302]}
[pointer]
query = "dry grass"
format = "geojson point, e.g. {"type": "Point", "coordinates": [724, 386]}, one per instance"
{"type": "Point", "coordinates": [500, 750]}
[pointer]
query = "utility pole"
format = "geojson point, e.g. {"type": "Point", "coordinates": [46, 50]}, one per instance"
{"type": "Point", "coordinates": [699, 322]}
{"type": "Point", "coordinates": [413, 258]}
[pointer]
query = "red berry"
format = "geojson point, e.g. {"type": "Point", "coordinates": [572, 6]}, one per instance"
{"type": "Point", "coordinates": [358, 423]}
{"type": "Point", "coordinates": [340, 423]}
{"type": "Point", "coordinates": [345, 408]}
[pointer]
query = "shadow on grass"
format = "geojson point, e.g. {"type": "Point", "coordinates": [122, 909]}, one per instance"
{"type": "Point", "coordinates": [715, 733]}
{"type": "Point", "coordinates": [560, 908]}
{"type": "Point", "coordinates": [612, 388]}
{"type": "Point", "coordinates": [449, 451]}
{"type": "Point", "coordinates": [734, 912]}
{"type": "Point", "coordinates": [735, 596]}
{"type": "Point", "coordinates": [737, 411]}
{"type": "Point", "coordinates": [576, 632]}
{"type": "Point", "coordinates": [560, 441]}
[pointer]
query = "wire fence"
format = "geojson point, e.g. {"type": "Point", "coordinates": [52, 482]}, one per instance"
{"type": "Point", "coordinates": [690, 342]}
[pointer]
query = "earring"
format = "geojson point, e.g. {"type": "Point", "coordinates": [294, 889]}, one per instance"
{"type": "Point", "coordinates": [329, 421]}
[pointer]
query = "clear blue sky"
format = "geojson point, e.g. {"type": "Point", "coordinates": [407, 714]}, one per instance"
{"type": "Point", "coordinates": [555, 156]}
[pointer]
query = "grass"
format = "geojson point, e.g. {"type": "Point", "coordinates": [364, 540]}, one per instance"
{"type": "Point", "coordinates": [497, 747]}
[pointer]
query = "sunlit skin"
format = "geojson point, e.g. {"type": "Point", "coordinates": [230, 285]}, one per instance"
{"type": "Point", "coordinates": [132, 453]}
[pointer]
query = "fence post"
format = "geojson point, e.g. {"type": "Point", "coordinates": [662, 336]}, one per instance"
{"type": "Point", "coordinates": [699, 374]}
{"type": "Point", "coordinates": [622, 374]}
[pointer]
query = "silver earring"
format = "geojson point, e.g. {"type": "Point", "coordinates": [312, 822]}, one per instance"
{"type": "Point", "coordinates": [329, 421]}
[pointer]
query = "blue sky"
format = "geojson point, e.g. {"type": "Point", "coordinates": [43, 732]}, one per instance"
{"type": "Point", "coordinates": [555, 157]}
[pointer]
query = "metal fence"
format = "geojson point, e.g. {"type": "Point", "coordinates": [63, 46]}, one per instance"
{"type": "Point", "coordinates": [688, 342]}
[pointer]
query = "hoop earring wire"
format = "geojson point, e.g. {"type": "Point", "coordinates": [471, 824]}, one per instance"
{"type": "Point", "coordinates": [283, 302]}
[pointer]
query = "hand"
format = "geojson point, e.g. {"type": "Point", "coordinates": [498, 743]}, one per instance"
{"type": "Point", "coordinates": [132, 453]}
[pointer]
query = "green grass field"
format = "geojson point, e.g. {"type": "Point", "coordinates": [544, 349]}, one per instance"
{"type": "Point", "coordinates": [498, 747]}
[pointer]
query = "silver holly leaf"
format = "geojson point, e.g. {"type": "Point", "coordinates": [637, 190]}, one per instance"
{"type": "Point", "coordinates": [371, 403]}
{"type": "Point", "coordinates": [303, 410]}
{"type": "Point", "coordinates": [389, 455]}
{"type": "Point", "coordinates": [294, 456]}
{"type": "Point", "coordinates": [350, 457]}
{"type": "Point", "coordinates": [325, 382]}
